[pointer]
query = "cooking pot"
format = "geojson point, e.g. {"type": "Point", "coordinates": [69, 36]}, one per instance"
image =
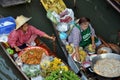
{"type": "Point", "coordinates": [104, 50]}
{"type": "Point", "coordinates": [108, 56]}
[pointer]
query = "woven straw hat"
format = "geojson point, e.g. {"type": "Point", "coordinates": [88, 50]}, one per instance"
{"type": "Point", "coordinates": [20, 20]}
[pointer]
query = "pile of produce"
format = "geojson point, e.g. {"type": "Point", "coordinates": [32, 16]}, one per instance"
{"type": "Point", "coordinates": [90, 49]}
{"type": "Point", "coordinates": [82, 55]}
{"type": "Point", "coordinates": [32, 55]}
{"type": "Point", "coordinates": [70, 48]}
{"type": "Point", "coordinates": [48, 66]}
{"type": "Point", "coordinates": [31, 70]}
{"type": "Point", "coordinates": [54, 5]}
{"type": "Point", "coordinates": [62, 75]}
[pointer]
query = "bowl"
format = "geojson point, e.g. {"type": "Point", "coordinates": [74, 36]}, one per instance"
{"type": "Point", "coordinates": [104, 50]}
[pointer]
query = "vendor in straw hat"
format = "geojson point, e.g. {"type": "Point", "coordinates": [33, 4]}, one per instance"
{"type": "Point", "coordinates": [24, 34]}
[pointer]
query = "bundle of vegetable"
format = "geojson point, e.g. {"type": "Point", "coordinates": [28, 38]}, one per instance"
{"type": "Point", "coordinates": [62, 75]}
{"type": "Point", "coordinates": [31, 70]}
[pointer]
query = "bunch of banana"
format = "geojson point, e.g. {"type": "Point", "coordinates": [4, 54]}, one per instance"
{"type": "Point", "coordinates": [70, 48]}
{"type": "Point", "coordinates": [90, 48]}
{"type": "Point", "coordinates": [54, 5]}
{"type": "Point", "coordinates": [83, 55]}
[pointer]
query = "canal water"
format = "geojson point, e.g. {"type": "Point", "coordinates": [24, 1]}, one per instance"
{"type": "Point", "coordinates": [104, 19]}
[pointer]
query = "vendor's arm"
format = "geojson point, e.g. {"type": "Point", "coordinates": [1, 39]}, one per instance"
{"type": "Point", "coordinates": [92, 36]}
{"type": "Point", "coordinates": [41, 33]}
{"type": "Point", "coordinates": [49, 37]}
{"type": "Point", "coordinates": [93, 41]}
{"type": "Point", "coordinates": [76, 41]}
{"type": "Point", "coordinates": [12, 39]}
{"type": "Point", "coordinates": [77, 53]}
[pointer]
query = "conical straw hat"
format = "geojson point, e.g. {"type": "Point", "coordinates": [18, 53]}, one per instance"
{"type": "Point", "coordinates": [20, 20]}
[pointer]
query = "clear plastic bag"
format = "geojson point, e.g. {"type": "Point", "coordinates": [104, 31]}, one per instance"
{"type": "Point", "coordinates": [67, 15]}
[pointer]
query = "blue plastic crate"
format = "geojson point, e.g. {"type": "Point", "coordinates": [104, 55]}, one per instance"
{"type": "Point", "coordinates": [7, 24]}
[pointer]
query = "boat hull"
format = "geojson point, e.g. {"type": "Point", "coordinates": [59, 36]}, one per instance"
{"type": "Point", "coordinates": [114, 4]}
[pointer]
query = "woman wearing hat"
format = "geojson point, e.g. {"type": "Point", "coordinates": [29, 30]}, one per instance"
{"type": "Point", "coordinates": [82, 35]}
{"type": "Point", "coordinates": [24, 34]}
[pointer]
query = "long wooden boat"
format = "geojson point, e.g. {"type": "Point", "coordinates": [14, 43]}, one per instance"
{"type": "Point", "coordinates": [115, 4]}
{"type": "Point", "coordinates": [70, 61]}
{"type": "Point", "coordinates": [7, 3]}
{"type": "Point", "coordinates": [72, 64]}
{"type": "Point", "coordinates": [4, 46]}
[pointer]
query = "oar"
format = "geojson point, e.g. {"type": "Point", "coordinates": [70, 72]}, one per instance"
{"type": "Point", "coordinates": [114, 47]}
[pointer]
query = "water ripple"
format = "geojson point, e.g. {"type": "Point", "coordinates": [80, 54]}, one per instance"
{"type": "Point", "coordinates": [5, 71]}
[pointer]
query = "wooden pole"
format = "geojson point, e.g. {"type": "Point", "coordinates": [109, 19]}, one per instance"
{"type": "Point", "coordinates": [74, 4]}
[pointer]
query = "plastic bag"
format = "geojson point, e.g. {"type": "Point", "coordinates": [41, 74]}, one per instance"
{"type": "Point", "coordinates": [3, 38]}
{"type": "Point", "coordinates": [45, 61]}
{"type": "Point", "coordinates": [62, 27]}
{"type": "Point", "coordinates": [53, 16]}
{"type": "Point", "coordinates": [67, 16]}
{"type": "Point", "coordinates": [31, 70]}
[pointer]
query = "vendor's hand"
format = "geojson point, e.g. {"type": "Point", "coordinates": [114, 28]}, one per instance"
{"type": "Point", "coordinates": [17, 49]}
{"type": "Point", "coordinates": [77, 55]}
{"type": "Point", "coordinates": [93, 46]}
{"type": "Point", "coordinates": [53, 38]}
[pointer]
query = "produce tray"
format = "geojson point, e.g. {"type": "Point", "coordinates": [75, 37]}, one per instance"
{"type": "Point", "coordinates": [32, 55]}
{"type": "Point", "coordinates": [53, 5]}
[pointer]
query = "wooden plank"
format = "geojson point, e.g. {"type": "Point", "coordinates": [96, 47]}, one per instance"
{"type": "Point", "coordinates": [114, 4]}
{"type": "Point", "coordinates": [7, 3]}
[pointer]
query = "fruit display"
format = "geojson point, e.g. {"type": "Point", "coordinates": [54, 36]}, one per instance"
{"type": "Point", "coordinates": [54, 5]}
{"type": "Point", "coordinates": [90, 49]}
{"type": "Point", "coordinates": [48, 66]}
{"type": "Point", "coordinates": [32, 55]}
{"type": "Point", "coordinates": [70, 48]}
{"type": "Point", "coordinates": [62, 75]}
{"type": "Point", "coordinates": [83, 55]}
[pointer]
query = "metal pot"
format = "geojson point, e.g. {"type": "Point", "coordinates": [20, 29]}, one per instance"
{"type": "Point", "coordinates": [108, 56]}
{"type": "Point", "coordinates": [104, 50]}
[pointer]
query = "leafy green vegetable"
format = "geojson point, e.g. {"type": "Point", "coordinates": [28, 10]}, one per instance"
{"type": "Point", "coordinates": [62, 75]}
{"type": "Point", "coordinates": [31, 70]}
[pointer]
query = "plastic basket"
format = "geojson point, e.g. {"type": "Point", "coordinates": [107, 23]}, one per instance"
{"type": "Point", "coordinates": [7, 24]}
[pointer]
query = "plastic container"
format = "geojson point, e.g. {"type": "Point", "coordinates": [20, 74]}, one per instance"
{"type": "Point", "coordinates": [7, 24]}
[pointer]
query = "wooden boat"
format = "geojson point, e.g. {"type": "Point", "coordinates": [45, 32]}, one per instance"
{"type": "Point", "coordinates": [8, 3]}
{"type": "Point", "coordinates": [70, 61]}
{"type": "Point", "coordinates": [115, 4]}
{"type": "Point", "coordinates": [10, 58]}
